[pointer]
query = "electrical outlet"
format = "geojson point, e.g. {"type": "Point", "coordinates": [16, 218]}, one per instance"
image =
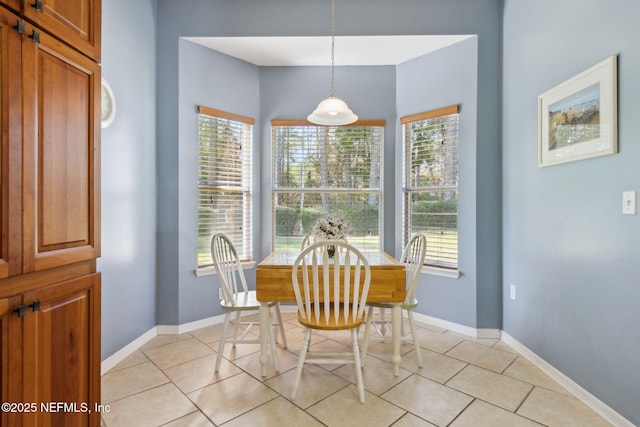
{"type": "Point", "coordinates": [219, 293]}
{"type": "Point", "coordinates": [512, 291]}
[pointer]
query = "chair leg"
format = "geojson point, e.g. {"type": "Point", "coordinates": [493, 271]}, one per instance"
{"type": "Point", "coordinates": [402, 331]}
{"type": "Point", "coordinates": [235, 328]}
{"type": "Point", "coordinates": [281, 326]}
{"type": "Point", "coordinates": [223, 338]}
{"type": "Point", "coordinates": [272, 340]}
{"type": "Point", "coordinates": [367, 331]}
{"type": "Point", "coordinates": [416, 344]}
{"type": "Point", "coordinates": [356, 361]}
{"type": "Point", "coordinates": [303, 355]}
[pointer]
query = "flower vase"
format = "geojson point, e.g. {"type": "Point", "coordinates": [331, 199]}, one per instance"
{"type": "Point", "coordinates": [331, 250]}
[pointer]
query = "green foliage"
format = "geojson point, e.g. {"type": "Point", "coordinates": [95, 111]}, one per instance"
{"type": "Point", "coordinates": [285, 220]}
{"type": "Point", "coordinates": [362, 219]}
{"type": "Point", "coordinates": [435, 213]}
{"type": "Point", "coordinates": [310, 216]}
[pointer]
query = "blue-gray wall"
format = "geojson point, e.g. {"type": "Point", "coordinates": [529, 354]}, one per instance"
{"type": "Point", "coordinates": [556, 233]}
{"type": "Point", "coordinates": [443, 78]}
{"type": "Point", "coordinates": [218, 81]}
{"type": "Point", "coordinates": [573, 256]}
{"type": "Point", "coordinates": [369, 90]}
{"type": "Point", "coordinates": [128, 262]}
{"type": "Point", "coordinates": [293, 92]}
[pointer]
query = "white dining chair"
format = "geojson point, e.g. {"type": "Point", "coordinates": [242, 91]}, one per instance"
{"type": "Point", "coordinates": [237, 298]}
{"type": "Point", "coordinates": [413, 260]}
{"type": "Point", "coordinates": [331, 297]}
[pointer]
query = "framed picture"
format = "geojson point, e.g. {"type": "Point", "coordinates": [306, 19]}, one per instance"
{"type": "Point", "coordinates": [578, 118]}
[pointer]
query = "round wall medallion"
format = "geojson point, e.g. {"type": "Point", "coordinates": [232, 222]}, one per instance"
{"type": "Point", "coordinates": [108, 104]}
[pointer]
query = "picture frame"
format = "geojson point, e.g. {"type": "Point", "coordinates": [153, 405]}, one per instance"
{"type": "Point", "coordinates": [577, 119]}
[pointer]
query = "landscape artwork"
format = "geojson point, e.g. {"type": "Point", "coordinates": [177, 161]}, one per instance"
{"type": "Point", "coordinates": [578, 119]}
{"type": "Point", "coordinates": [575, 119]}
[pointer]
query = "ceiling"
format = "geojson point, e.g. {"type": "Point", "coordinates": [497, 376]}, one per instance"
{"type": "Point", "coordinates": [310, 51]}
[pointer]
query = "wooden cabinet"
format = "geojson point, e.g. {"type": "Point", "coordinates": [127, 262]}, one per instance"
{"type": "Point", "coordinates": [61, 344]}
{"type": "Point", "coordinates": [50, 180]}
{"type": "Point", "coordinates": [10, 358]}
{"type": "Point", "coordinates": [76, 22]}
{"type": "Point", "coordinates": [50, 345]}
{"type": "Point", "coordinates": [60, 166]}
{"type": "Point", "coordinates": [10, 145]}
{"type": "Point", "coordinates": [49, 217]}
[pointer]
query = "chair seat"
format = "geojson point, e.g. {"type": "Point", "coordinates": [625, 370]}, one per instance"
{"type": "Point", "coordinates": [413, 304]}
{"type": "Point", "coordinates": [243, 301]}
{"type": "Point", "coordinates": [332, 325]}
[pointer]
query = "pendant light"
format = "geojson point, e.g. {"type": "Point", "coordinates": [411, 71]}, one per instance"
{"type": "Point", "coordinates": [332, 111]}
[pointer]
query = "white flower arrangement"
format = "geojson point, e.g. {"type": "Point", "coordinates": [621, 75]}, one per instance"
{"type": "Point", "coordinates": [331, 227]}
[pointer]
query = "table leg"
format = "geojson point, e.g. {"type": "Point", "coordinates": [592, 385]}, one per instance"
{"type": "Point", "coordinates": [396, 319]}
{"type": "Point", "coordinates": [265, 324]}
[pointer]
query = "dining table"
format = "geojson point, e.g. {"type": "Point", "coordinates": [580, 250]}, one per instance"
{"type": "Point", "coordinates": [274, 283]}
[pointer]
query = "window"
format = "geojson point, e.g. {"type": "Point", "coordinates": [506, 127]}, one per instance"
{"type": "Point", "coordinates": [320, 170]}
{"type": "Point", "coordinates": [224, 181]}
{"type": "Point", "coordinates": [430, 181]}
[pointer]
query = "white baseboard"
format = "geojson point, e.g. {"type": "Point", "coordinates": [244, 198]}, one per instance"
{"type": "Point", "coordinates": [580, 393]}
{"type": "Point", "coordinates": [111, 361]}
{"type": "Point", "coordinates": [445, 324]}
{"type": "Point", "coordinates": [126, 351]}
{"type": "Point", "coordinates": [190, 326]}
{"type": "Point", "coordinates": [107, 364]}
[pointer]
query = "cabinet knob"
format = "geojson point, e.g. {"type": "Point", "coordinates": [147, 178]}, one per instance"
{"type": "Point", "coordinates": [35, 305]}
{"type": "Point", "coordinates": [20, 310]}
{"type": "Point", "coordinates": [37, 5]}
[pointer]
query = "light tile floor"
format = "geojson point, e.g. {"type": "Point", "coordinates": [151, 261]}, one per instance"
{"type": "Point", "coordinates": [465, 381]}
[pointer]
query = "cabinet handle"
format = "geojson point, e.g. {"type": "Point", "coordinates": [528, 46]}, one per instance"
{"type": "Point", "coordinates": [20, 310]}
{"type": "Point", "coordinates": [35, 305]}
{"type": "Point", "coordinates": [35, 36]}
{"type": "Point", "coordinates": [37, 5]}
{"type": "Point", "coordinates": [22, 29]}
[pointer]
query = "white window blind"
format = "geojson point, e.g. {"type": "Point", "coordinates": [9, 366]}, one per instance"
{"type": "Point", "coordinates": [320, 170]}
{"type": "Point", "coordinates": [430, 180]}
{"type": "Point", "coordinates": [224, 181]}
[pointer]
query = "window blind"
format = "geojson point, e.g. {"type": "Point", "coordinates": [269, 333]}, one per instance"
{"type": "Point", "coordinates": [224, 181]}
{"type": "Point", "coordinates": [430, 180]}
{"type": "Point", "coordinates": [320, 170]}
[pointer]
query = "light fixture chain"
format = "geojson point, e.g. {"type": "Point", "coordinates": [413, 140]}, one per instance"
{"type": "Point", "coordinates": [333, 47]}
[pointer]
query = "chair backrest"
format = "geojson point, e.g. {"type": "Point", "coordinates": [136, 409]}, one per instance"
{"type": "Point", "coordinates": [228, 267]}
{"type": "Point", "coordinates": [413, 260]}
{"type": "Point", "coordinates": [310, 239]}
{"type": "Point", "coordinates": [306, 241]}
{"type": "Point", "coordinates": [329, 284]}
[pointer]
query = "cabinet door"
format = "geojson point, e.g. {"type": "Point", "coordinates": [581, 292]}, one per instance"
{"type": "Point", "coordinates": [77, 22]}
{"type": "Point", "coordinates": [62, 352]}
{"type": "Point", "coordinates": [61, 154]}
{"type": "Point", "coordinates": [10, 359]}
{"type": "Point", "coordinates": [10, 145]}
{"type": "Point", "coordinates": [13, 4]}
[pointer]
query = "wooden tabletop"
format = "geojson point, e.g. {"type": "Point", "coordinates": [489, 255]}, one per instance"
{"type": "Point", "coordinates": [274, 282]}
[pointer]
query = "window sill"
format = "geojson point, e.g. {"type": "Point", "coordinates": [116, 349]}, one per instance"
{"type": "Point", "coordinates": [211, 270]}
{"type": "Point", "coordinates": [442, 272]}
